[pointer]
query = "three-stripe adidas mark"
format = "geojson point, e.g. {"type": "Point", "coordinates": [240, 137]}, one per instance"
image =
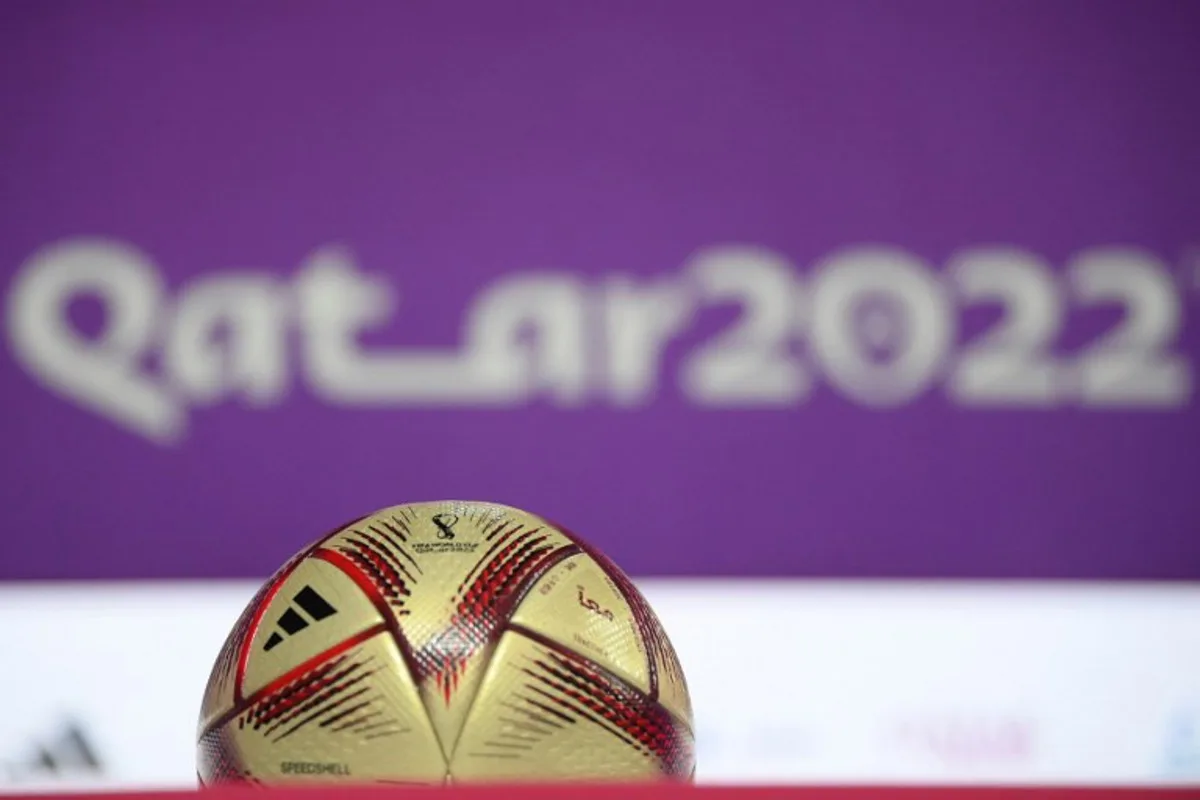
{"type": "Point", "coordinates": [292, 621]}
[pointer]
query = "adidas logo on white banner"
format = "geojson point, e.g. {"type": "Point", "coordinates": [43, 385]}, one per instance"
{"type": "Point", "coordinates": [70, 753]}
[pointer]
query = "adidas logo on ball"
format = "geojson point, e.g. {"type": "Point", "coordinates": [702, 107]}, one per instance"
{"type": "Point", "coordinates": [292, 621]}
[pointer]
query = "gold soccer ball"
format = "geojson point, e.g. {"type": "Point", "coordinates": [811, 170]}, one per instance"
{"type": "Point", "coordinates": [448, 641]}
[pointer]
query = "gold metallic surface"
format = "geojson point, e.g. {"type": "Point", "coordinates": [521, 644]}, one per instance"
{"type": "Point", "coordinates": [450, 641]}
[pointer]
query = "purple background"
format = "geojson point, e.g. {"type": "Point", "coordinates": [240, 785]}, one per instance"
{"type": "Point", "coordinates": [450, 143]}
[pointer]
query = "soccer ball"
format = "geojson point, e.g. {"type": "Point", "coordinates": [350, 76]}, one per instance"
{"type": "Point", "coordinates": [446, 642]}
